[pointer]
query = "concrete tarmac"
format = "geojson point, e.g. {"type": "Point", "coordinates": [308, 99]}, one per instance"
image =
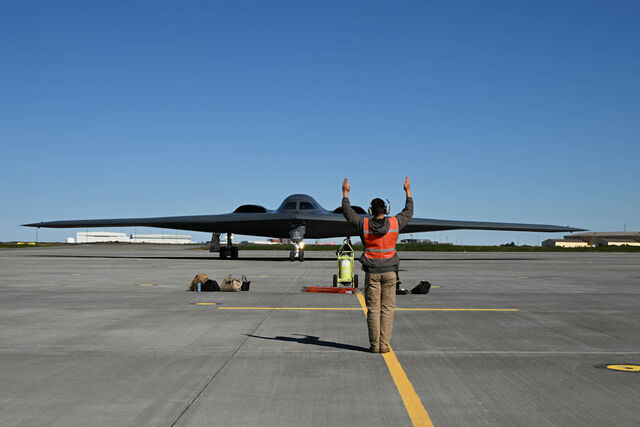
{"type": "Point", "coordinates": [82, 343]}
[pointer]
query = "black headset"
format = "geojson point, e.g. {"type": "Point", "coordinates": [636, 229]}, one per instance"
{"type": "Point", "coordinates": [387, 208]}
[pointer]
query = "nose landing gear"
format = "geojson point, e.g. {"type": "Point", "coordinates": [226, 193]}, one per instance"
{"type": "Point", "coordinates": [296, 234]}
{"type": "Point", "coordinates": [297, 252]}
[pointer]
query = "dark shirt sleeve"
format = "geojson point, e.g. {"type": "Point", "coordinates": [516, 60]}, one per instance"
{"type": "Point", "coordinates": [405, 216]}
{"type": "Point", "coordinates": [354, 218]}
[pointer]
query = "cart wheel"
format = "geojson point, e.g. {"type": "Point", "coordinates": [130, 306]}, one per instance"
{"type": "Point", "coordinates": [292, 256]}
{"type": "Point", "coordinates": [335, 280]}
{"type": "Point", "coordinates": [301, 256]}
{"type": "Point", "coordinates": [355, 281]}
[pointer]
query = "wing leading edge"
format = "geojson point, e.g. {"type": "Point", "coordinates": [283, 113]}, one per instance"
{"type": "Point", "coordinates": [424, 224]}
{"type": "Point", "coordinates": [241, 223]}
{"type": "Point", "coordinates": [318, 225]}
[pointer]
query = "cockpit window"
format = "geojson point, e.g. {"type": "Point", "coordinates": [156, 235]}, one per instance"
{"type": "Point", "coordinates": [289, 205]}
{"type": "Point", "coordinates": [307, 205]}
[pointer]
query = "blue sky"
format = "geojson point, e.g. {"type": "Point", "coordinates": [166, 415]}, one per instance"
{"type": "Point", "coordinates": [497, 110]}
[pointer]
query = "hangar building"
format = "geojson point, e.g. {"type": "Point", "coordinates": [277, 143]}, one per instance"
{"type": "Point", "coordinates": [596, 238]}
{"type": "Point", "coordinates": [110, 236]}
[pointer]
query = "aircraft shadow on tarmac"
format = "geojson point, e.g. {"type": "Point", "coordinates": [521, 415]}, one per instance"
{"type": "Point", "coordinates": [209, 259]}
{"type": "Point", "coordinates": [308, 339]}
{"type": "Point", "coordinates": [466, 259]}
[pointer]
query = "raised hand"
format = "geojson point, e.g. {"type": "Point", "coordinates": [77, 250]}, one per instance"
{"type": "Point", "coordinates": [345, 188]}
{"type": "Point", "coordinates": [407, 186]}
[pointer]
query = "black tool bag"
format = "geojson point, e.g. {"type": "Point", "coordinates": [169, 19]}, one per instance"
{"type": "Point", "coordinates": [245, 283]}
{"type": "Point", "coordinates": [422, 288]}
{"type": "Point", "coordinates": [210, 286]}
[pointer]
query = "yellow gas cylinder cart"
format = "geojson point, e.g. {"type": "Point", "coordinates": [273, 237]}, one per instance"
{"type": "Point", "coordinates": [345, 276]}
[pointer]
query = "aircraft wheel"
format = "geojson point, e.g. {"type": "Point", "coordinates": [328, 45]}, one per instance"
{"type": "Point", "coordinates": [355, 281]}
{"type": "Point", "coordinates": [234, 252]}
{"type": "Point", "coordinates": [335, 280]}
{"type": "Point", "coordinates": [223, 252]}
{"type": "Point", "coordinates": [301, 256]}
{"type": "Point", "coordinates": [292, 256]}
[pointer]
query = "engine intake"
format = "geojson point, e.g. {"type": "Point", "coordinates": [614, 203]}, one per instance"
{"type": "Point", "coordinates": [250, 209]}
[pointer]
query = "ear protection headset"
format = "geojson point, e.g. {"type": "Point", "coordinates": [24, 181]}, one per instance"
{"type": "Point", "coordinates": [387, 208]}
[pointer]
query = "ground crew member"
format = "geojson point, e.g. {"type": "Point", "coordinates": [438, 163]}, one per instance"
{"type": "Point", "coordinates": [379, 262]}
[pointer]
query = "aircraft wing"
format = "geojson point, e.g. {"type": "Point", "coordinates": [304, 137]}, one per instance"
{"type": "Point", "coordinates": [318, 225]}
{"type": "Point", "coordinates": [206, 223]}
{"type": "Point", "coordinates": [417, 225]}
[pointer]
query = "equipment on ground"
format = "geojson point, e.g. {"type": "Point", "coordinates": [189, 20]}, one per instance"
{"type": "Point", "coordinates": [422, 288]}
{"type": "Point", "coordinates": [399, 290]}
{"type": "Point", "coordinates": [209, 286]}
{"type": "Point", "coordinates": [245, 283]}
{"type": "Point", "coordinates": [202, 283]}
{"type": "Point", "coordinates": [345, 274]}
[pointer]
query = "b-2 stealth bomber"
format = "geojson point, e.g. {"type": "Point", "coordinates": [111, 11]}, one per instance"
{"type": "Point", "coordinates": [299, 216]}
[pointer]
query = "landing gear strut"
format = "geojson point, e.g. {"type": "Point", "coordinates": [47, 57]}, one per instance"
{"type": "Point", "coordinates": [214, 246]}
{"type": "Point", "coordinates": [297, 252]}
{"type": "Point", "coordinates": [296, 234]}
{"type": "Point", "coordinates": [229, 250]}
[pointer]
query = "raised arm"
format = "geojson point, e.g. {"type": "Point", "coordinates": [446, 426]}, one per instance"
{"type": "Point", "coordinates": [348, 212]}
{"type": "Point", "coordinates": [405, 216]}
{"type": "Point", "coordinates": [407, 186]}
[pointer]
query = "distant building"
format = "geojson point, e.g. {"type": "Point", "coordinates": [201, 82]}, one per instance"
{"type": "Point", "coordinates": [100, 236]}
{"type": "Point", "coordinates": [161, 238]}
{"type": "Point", "coordinates": [418, 241]}
{"type": "Point", "coordinates": [596, 238]}
{"type": "Point", "coordinates": [565, 243]}
{"type": "Point", "coordinates": [616, 242]}
{"type": "Point", "coordinates": [110, 236]}
{"type": "Point", "coordinates": [258, 242]}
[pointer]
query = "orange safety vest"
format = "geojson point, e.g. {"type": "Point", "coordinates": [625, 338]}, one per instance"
{"type": "Point", "coordinates": [381, 247]}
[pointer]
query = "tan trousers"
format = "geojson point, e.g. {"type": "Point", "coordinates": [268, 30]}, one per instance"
{"type": "Point", "coordinates": [380, 296]}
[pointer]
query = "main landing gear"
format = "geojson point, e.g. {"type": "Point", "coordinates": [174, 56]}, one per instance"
{"type": "Point", "coordinates": [225, 251]}
{"type": "Point", "coordinates": [231, 252]}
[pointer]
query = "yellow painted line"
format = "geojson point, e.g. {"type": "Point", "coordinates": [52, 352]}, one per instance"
{"type": "Point", "coordinates": [145, 284]}
{"type": "Point", "coordinates": [206, 303]}
{"type": "Point", "coordinates": [288, 308]}
{"type": "Point", "coordinates": [456, 309]}
{"type": "Point", "coordinates": [352, 308]}
{"type": "Point", "coordinates": [627, 368]}
{"type": "Point", "coordinates": [411, 400]}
